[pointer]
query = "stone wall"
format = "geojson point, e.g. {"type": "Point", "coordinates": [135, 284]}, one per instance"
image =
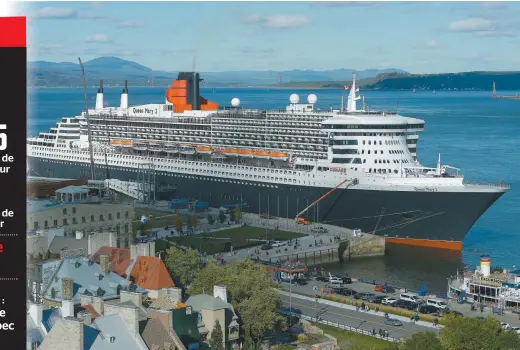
{"type": "Point", "coordinates": [365, 246]}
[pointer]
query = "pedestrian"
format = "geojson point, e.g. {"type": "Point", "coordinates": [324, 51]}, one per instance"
{"type": "Point", "coordinates": [363, 306]}
{"type": "Point", "coordinates": [416, 317]}
{"type": "Point", "coordinates": [373, 331]}
{"type": "Point", "coordinates": [357, 307]}
{"type": "Point", "coordinates": [377, 309]}
{"type": "Point", "coordinates": [380, 332]}
{"type": "Point", "coordinates": [435, 322]}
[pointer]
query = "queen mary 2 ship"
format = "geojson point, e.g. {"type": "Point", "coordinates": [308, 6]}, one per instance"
{"type": "Point", "coordinates": [277, 161]}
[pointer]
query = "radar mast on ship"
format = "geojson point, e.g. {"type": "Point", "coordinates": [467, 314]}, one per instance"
{"type": "Point", "coordinates": [353, 96]}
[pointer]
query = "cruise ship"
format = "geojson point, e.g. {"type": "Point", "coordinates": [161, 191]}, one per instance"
{"type": "Point", "coordinates": [276, 161]}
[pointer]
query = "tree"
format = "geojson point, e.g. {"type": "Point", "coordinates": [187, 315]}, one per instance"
{"type": "Point", "coordinates": [238, 214]}
{"type": "Point", "coordinates": [423, 341]}
{"type": "Point", "coordinates": [183, 266]}
{"type": "Point", "coordinates": [177, 220]}
{"type": "Point", "coordinates": [194, 220]}
{"type": "Point", "coordinates": [217, 337]}
{"type": "Point", "coordinates": [251, 292]}
{"type": "Point", "coordinates": [470, 333]}
{"type": "Point", "coordinates": [221, 217]}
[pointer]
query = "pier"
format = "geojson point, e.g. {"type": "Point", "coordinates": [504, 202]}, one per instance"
{"type": "Point", "coordinates": [507, 97]}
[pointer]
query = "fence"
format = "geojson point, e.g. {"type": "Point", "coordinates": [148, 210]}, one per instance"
{"type": "Point", "coordinates": [340, 326]}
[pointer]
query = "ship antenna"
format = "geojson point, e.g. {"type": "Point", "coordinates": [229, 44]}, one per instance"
{"type": "Point", "coordinates": [88, 120]}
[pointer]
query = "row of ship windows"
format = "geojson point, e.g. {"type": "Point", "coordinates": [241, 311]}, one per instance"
{"type": "Point", "coordinates": [363, 161]}
{"type": "Point", "coordinates": [355, 151]}
{"type": "Point", "coordinates": [384, 126]}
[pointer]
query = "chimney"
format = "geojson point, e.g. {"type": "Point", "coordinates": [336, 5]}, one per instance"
{"type": "Point", "coordinates": [99, 97]}
{"type": "Point", "coordinates": [67, 308]}
{"type": "Point", "coordinates": [176, 293]}
{"type": "Point", "coordinates": [133, 297]}
{"type": "Point", "coordinates": [67, 285]}
{"type": "Point", "coordinates": [104, 263]}
{"type": "Point", "coordinates": [85, 316]}
{"type": "Point", "coordinates": [124, 96]}
{"type": "Point", "coordinates": [99, 305]}
{"type": "Point", "coordinates": [35, 312]}
{"type": "Point", "coordinates": [220, 292]}
{"type": "Point", "coordinates": [74, 329]}
{"type": "Point", "coordinates": [79, 234]}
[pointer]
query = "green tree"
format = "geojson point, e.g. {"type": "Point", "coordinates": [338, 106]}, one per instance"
{"type": "Point", "coordinates": [469, 333]}
{"type": "Point", "coordinates": [177, 220]}
{"type": "Point", "coordinates": [423, 341]}
{"type": "Point", "coordinates": [217, 337]}
{"type": "Point", "coordinates": [251, 292]}
{"type": "Point", "coordinates": [508, 340]}
{"type": "Point", "coordinates": [194, 220]}
{"type": "Point", "coordinates": [183, 266]}
{"type": "Point", "coordinates": [221, 217]}
{"type": "Point", "coordinates": [238, 214]}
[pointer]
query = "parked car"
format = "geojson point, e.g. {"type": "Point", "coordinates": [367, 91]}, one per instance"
{"type": "Point", "coordinates": [405, 304]}
{"type": "Point", "coordinates": [393, 322]}
{"type": "Point", "coordinates": [516, 329]}
{"type": "Point", "coordinates": [428, 309]}
{"type": "Point", "coordinates": [389, 301]}
{"type": "Point", "coordinates": [322, 279]}
{"type": "Point", "coordinates": [319, 229]}
{"type": "Point", "coordinates": [335, 280]}
{"type": "Point", "coordinates": [505, 325]}
{"type": "Point", "coordinates": [346, 280]}
{"type": "Point", "coordinates": [300, 281]}
{"type": "Point", "coordinates": [266, 247]}
{"type": "Point", "coordinates": [376, 299]}
{"type": "Point", "coordinates": [367, 296]}
{"type": "Point", "coordinates": [343, 291]}
{"type": "Point", "coordinates": [276, 244]}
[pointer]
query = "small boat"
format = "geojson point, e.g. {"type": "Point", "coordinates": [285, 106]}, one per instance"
{"type": "Point", "coordinates": [279, 155]}
{"type": "Point", "coordinates": [204, 149]}
{"type": "Point", "coordinates": [261, 154]}
{"type": "Point", "coordinates": [231, 152]}
{"type": "Point", "coordinates": [187, 150]}
{"type": "Point", "coordinates": [244, 152]}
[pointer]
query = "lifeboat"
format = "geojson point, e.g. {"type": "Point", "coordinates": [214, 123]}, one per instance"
{"type": "Point", "coordinates": [278, 155]}
{"type": "Point", "coordinates": [187, 150]}
{"type": "Point", "coordinates": [246, 153]}
{"type": "Point", "coordinates": [204, 149]}
{"type": "Point", "coordinates": [262, 154]}
{"type": "Point", "coordinates": [230, 152]}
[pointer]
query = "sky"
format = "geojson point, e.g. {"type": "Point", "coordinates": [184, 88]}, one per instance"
{"type": "Point", "coordinates": [419, 37]}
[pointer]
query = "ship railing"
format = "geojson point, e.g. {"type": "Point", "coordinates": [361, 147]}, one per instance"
{"type": "Point", "coordinates": [487, 184]}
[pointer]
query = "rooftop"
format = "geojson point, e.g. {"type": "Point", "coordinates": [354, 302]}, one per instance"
{"type": "Point", "coordinates": [72, 190]}
{"type": "Point", "coordinates": [119, 258]}
{"type": "Point", "coordinates": [97, 335]}
{"type": "Point", "coordinates": [87, 276]}
{"type": "Point", "coordinates": [60, 243]}
{"type": "Point", "coordinates": [206, 302]}
{"type": "Point", "coordinates": [151, 273]}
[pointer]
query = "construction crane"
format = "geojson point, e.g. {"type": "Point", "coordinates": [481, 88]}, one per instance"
{"type": "Point", "coordinates": [352, 182]}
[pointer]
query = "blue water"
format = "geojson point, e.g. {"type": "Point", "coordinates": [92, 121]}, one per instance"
{"type": "Point", "coordinates": [470, 130]}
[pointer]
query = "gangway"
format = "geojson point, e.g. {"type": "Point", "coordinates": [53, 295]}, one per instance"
{"type": "Point", "coordinates": [352, 182]}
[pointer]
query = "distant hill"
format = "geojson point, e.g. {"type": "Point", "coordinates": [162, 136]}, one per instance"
{"type": "Point", "coordinates": [407, 81]}
{"type": "Point", "coordinates": [448, 81]}
{"type": "Point", "coordinates": [114, 71]}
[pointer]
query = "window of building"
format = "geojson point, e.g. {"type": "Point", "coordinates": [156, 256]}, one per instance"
{"type": "Point", "coordinates": [118, 215]}
{"type": "Point", "coordinates": [46, 224]}
{"type": "Point", "coordinates": [64, 211]}
{"type": "Point", "coordinates": [126, 214]}
{"type": "Point", "coordinates": [83, 219]}
{"type": "Point", "coordinates": [74, 221]}
{"type": "Point", "coordinates": [65, 222]}
{"type": "Point", "coordinates": [109, 216]}
{"type": "Point", "coordinates": [101, 217]}
{"type": "Point", "coordinates": [55, 223]}
{"type": "Point", "coordinates": [92, 218]}
{"type": "Point", "coordinates": [36, 224]}
{"type": "Point", "coordinates": [73, 210]}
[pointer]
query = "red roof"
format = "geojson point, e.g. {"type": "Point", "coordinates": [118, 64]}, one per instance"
{"type": "Point", "coordinates": [151, 273]}
{"type": "Point", "coordinates": [119, 258]}
{"type": "Point", "coordinates": [90, 309]}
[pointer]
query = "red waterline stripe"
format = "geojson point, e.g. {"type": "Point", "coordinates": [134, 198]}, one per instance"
{"type": "Point", "coordinates": [13, 32]}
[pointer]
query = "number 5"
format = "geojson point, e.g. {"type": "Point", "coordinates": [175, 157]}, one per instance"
{"type": "Point", "coordinates": [3, 138]}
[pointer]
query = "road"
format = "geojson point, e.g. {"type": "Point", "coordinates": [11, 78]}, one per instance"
{"type": "Point", "coordinates": [352, 318]}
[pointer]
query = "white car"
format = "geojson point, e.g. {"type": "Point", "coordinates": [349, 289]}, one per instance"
{"type": "Point", "coordinates": [335, 280]}
{"type": "Point", "coordinates": [276, 244]}
{"type": "Point", "coordinates": [388, 301]}
{"type": "Point", "coordinates": [516, 329]}
{"type": "Point", "coordinates": [505, 325]}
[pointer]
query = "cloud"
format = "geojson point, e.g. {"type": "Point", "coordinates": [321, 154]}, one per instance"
{"type": "Point", "coordinates": [129, 24]}
{"type": "Point", "coordinates": [50, 12]}
{"type": "Point", "coordinates": [432, 44]}
{"type": "Point", "coordinates": [98, 38]}
{"type": "Point", "coordinates": [278, 21]}
{"type": "Point", "coordinates": [471, 25]}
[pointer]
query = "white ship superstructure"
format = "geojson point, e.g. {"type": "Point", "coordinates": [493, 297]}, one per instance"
{"type": "Point", "coordinates": [299, 149]}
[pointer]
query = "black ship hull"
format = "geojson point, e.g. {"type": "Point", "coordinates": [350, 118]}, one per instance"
{"type": "Point", "coordinates": [429, 216]}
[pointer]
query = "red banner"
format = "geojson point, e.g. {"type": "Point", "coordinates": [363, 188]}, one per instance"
{"type": "Point", "coordinates": [13, 32]}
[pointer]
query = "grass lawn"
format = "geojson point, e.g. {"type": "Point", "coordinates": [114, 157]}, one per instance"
{"type": "Point", "coordinates": [255, 232]}
{"type": "Point", "coordinates": [208, 245]}
{"type": "Point", "coordinates": [352, 340]}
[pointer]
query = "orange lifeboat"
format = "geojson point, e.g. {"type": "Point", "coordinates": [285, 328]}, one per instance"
{"type": "Point", "coordinates": [262, 154]}
{"type": "Point", "coordinates": [204, 149]}
{"type": "Point", "coordinates": [230, 152]}
{"type": "Point", "coordinates": [246, 153]}
{"type": "Point", "coordinates": [278, 155]}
